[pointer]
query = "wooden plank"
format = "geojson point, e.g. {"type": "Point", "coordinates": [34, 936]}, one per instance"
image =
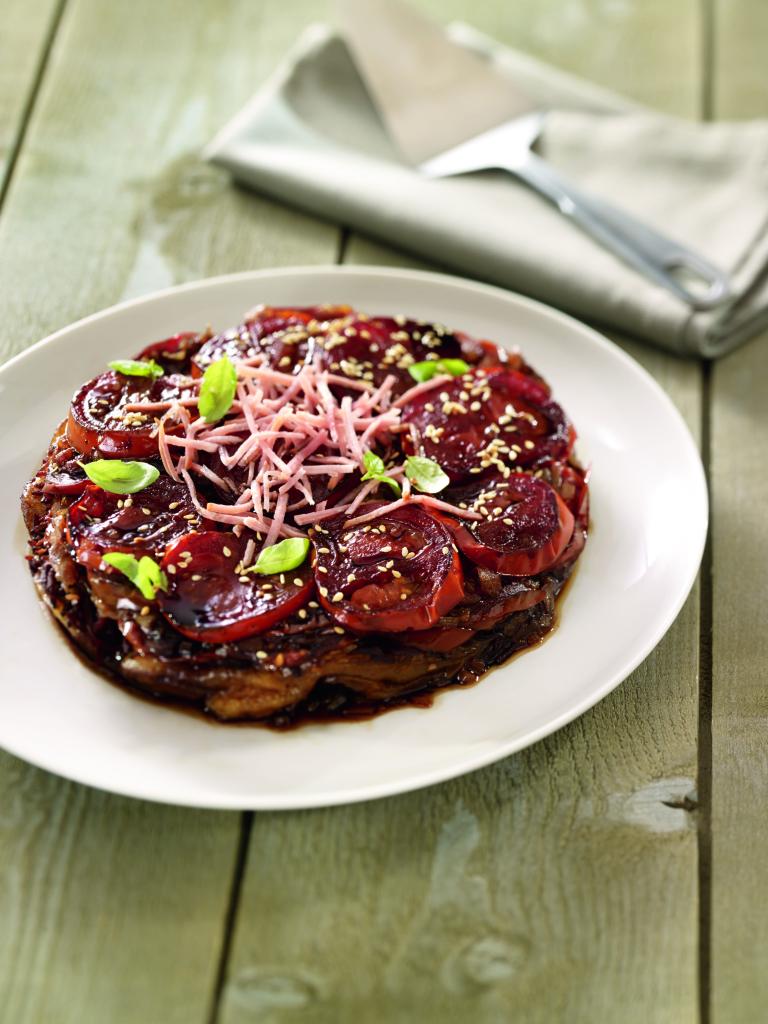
{"type": "Point", "coordinates": [739, 425]}
{"type": "Point", "coordinates": [647, 49]}
{"type": "Point", "coordinates": [110, 909]}
{"type": "Point", "coordinates": [26, 28]}
{"type": "Point", "coordinates": [111, 199]}
{"type": "Point", "coordinates": [559, 885]}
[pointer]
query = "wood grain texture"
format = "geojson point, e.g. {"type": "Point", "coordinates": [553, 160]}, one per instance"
{"type": "Point", "coordinates": [559, 885]}
{"type": "Point", "coordinates": [110, 909]}
{"type": "Point", "coordinates": [739, 426]}
{"type": "Point", "coordinates": [648, 49]}
{"type": "Point", "coordinates": [26, 26]}
{"type": "Point", "coordinates": [110, 198]}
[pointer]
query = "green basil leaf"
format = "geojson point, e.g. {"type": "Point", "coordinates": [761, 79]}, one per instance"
{"type": "Point", "coordinates": [374, 466]}
{"type": "Point", "coordinates": [425, 474]}
{"type": "Point", "coordinates": [217, 390]}
{"type": "Point", "coordinates": [119, 477]}
{"type": "Point", "coordinates": [143, 572]}
{"type": "Point", "coordinates": [432, 367]}
{"type": "Point", "coordinates": [376, 470]}
{"type": "Point", "coordinates": [455, 367]}
{"type": "Point", "coordinates": [137, 367]}
{"type": "Point", "coordinates": [282, 557]}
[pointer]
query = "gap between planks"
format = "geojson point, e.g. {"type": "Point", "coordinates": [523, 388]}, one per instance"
{"type": "Point", "coordinates": [34, 90]}
{"type": "Point", "coordinates": [704, 740]}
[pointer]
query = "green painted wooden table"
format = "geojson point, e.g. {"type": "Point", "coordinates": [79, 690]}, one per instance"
{"type": "Point", "coordinates": [615, 872]}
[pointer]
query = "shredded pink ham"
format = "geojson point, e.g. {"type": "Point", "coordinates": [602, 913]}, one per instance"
{"type": "Point", "coordinates": [284, 445]}
{"type": "Point", "coordinates": [419, 389]}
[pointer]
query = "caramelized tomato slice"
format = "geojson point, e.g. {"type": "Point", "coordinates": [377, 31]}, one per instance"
{"type": "Point", "coordinates": [526, 526]}
{"type": "Point", "coordinates": [283, 335]}
{"type": "Point", "coordinates": [486, 421]}
{"type": "Point", "coordinates": [374, 348]}
{"type": "Point", "coordinates": [571, 484]}
{"type": "Point", "coordinates": [63, 473]}
{"type": "Point", "coordinates": [143, 524]}
{"type": "Point", "coordinates": [174, 354]}
{"type": "Point", "coordinates": [396, 572]}
{"type": "Point", "coordinates": [210, 599]}
{"type": "Point", "coordinates": [440, 638]}
{"type": "Point", "coordinates": [100, 424]}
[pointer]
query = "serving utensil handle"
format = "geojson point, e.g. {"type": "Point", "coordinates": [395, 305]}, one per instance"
{"type": "Point", "coordinates": [681, 271]}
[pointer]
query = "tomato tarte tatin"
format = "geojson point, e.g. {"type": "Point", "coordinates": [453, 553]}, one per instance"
{"type": "Point", "coordinates": [317, 513]}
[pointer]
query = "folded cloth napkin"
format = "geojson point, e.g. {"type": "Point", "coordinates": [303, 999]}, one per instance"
{"type": "Point", "coordinates": [312, 137]}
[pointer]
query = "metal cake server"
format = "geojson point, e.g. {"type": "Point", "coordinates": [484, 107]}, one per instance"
{"type": "Point", "coordinates": [450, 112]}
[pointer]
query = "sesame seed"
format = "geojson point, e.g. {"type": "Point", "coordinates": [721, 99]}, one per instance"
{"type": "Point", "coordinates": [323, 591]}
{"type": "Point", "coordinates": [339, 630]}
{"type": "Point", "coordinates": [196, 576]}
{"type": "Point", "coordinates": [321, 568]}
{"type": "Point", "coordinates": [298, 582]}
{"type": "Point", "coordinates": [171, 569]}
{"type": "Point", "coordinates": [227, 552]}
{"type": "Point", "coordinates": [261, 655]}
{"type": "Point", "coordinates": [302, 613]}
{"type": "Point", "coordinates": [314, 604]}
{"type": "Point", "coordinates": [144, 610]}
{"type": "Point", "coordinates": [245, 579]}
{"type": "Point", "coordinates": [338, 596]}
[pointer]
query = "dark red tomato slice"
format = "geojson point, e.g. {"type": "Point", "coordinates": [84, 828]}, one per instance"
{"type": "Point", "coordinates": [373, 348]}
{"type": "Point", "coordinates": [571, 484]}
{"type": "Point", "coordinates": [210, 599]}
{"type": "Point", "coordinates": [63, 474]}
{"type": "Point", "coordinates": [439, 639]}
{"type": "Point", "coordinates": [485, 421]}
{"type": "Point", "coordinates": [483, 354]}
{"type": "Point", "coordinates": [174, 354]}
{"type": "Point", "coordinates": [526, 526]}
{"type": "Point", "coordinates": [281, 334]}
{"type": "Point", "coordinates": [400, 571]}
{"type": "Point", "coordinates": [143, 524]}
{"type": "Point", "coordinates": [513, 596]}
{"type": "Point", "coordinates": [99, 423]}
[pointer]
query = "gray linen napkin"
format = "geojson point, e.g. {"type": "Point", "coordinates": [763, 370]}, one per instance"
{"type": "Point", "coordinates": [312, 137]}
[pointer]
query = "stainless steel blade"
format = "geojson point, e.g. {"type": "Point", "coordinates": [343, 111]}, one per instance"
{"type": "Point", "coordinates": [431, 93]}
{"type": "Point", "coordinates": [505, 146]}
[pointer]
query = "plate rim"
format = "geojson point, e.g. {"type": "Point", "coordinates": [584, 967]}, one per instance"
{"type": "Point", "coordinates": [502, 750]}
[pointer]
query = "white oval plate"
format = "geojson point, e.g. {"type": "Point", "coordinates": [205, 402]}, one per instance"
{"type": "Point", "coordinates": [649, 508]}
